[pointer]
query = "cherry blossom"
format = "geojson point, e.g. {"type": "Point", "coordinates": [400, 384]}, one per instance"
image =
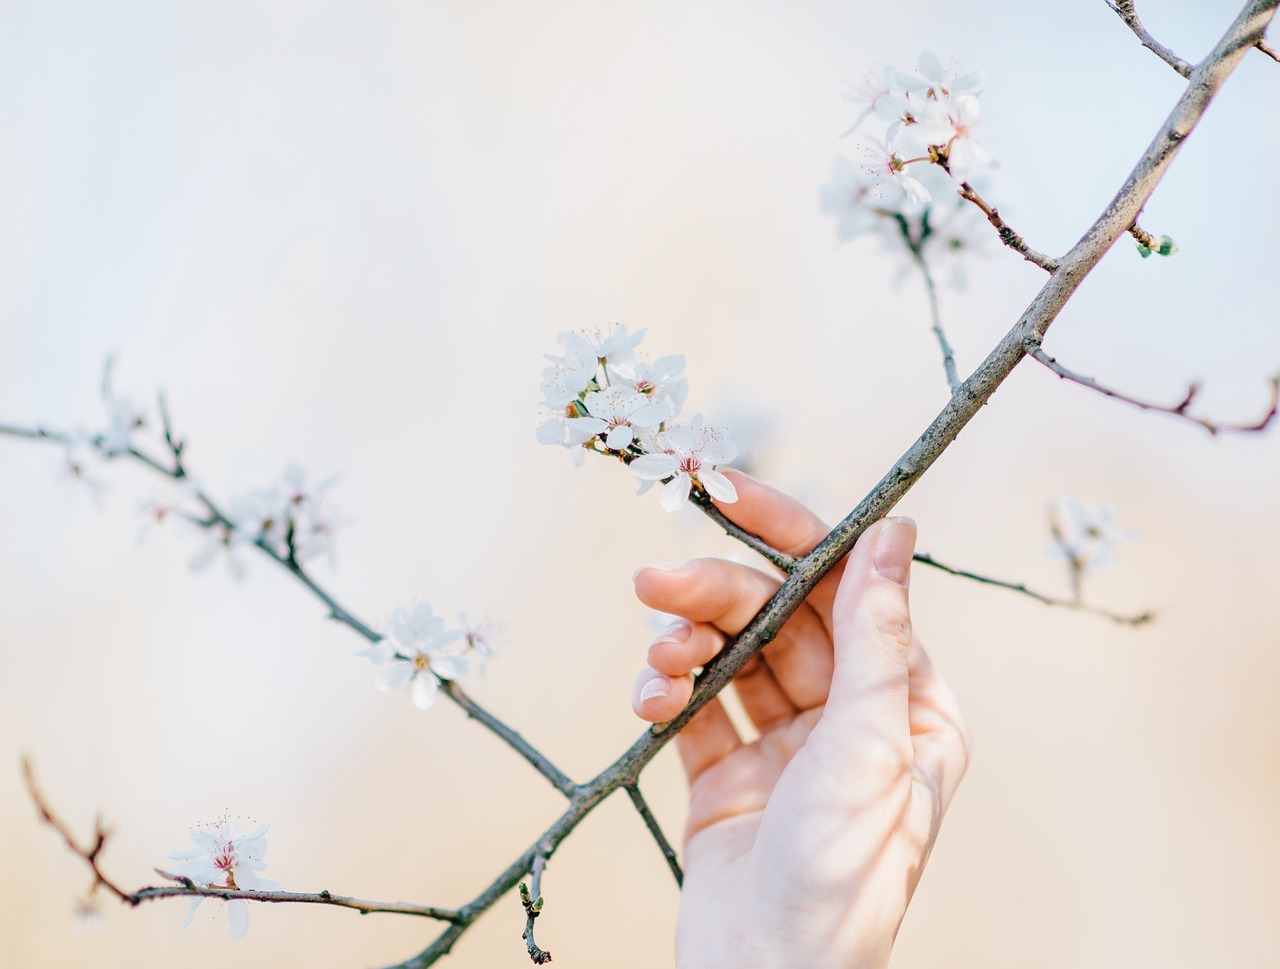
{"type": "Point", "coordinates": [226, 854]}
{"type": "Point", "coordinates": [616, 412]}
{"type": "Point", "coordinates": [887, 167]}
{"type": "Point", "coordinates": [414, 653]}
{"type": "Point", "coordinates": [660, 381]}
{"type": "Point", "coordinates": [687, 454]}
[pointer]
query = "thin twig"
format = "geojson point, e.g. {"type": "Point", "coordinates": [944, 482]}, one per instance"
{"type": "Point", "coordinates": [655, 829]}
{"type": "Point", "coordinates": [88, 855]}
{"type": "Point", "coordinates": [186, 888]}
{"type": "Point", "coordinates": [1176, 410]}
{"type": "Point", "coordinates": [531, 899]}
{"type": "Point", "coordinates": [1007, 235]}
{"type": "Point", "coordinates": [1075, 604]}
{"type": "Point", "coordinates": [544, 766]}
{"type": "Point", "coordinates": [780, 560]}
{"type": "Point", "coordinates": [948, 355]}
{"type": "Point", "coordinates": [1126, 11]}
{"type": "Point", "coordinates": [1267, 49]}
{"type": "Point", "coordinates": [915, 246]}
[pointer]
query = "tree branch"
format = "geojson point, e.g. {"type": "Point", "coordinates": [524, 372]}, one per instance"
{"type": "Point", "coordinates": [1076, 604]}
{"type": "Point", "coordinates": [531, 899]}
{"type": "Point", "coordinates": [1177, 410]}
{"type": "Point", "coordinates": [1065, 278]}
{"type": "Point", "coordinates": [1126, 11]}
{"type": "Point", "coordinates": [1007, 235]}
{"type": "Point", "coordinates": [186, 888]}
{"type": "Point", "coordinates": [539, 761]}
{"type": "Point", "coordinates": [780, 560]}
{"type": "Point", "coordinates": [650, 822]}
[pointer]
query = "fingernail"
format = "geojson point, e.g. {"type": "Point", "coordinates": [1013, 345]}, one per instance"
{"type": "Point", "coordinates": [678, 632]}
{"type": "Point", "coordinates": [894, 549]}
{"type": "Point", "coordinates": [660, 566]}
{"type": "Point", "coordinates": [655, 687]}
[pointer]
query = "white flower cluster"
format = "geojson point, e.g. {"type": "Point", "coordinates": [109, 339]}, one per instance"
{"type": "Point", "coordinates": [925, 142]}
{"type": "Point", "coordinates": [418, 651]}
{"type": "Point", "coordinates": [291, 518]}
{"type": "Point", "coordinates": [226, 854]}
{"type": "Point", "coordinates": [601, 396]}
{"type": "Point", "coordinates": [1085, 534]}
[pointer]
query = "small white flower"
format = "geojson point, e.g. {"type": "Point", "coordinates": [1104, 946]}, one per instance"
{"type": "Point", "coordinates": [73, 470]}
{"type": "Point", "coordinates": [660, 381]}
{"type": "Point", "coordinates": [226, 855]}
{"type": "Point", "coordinates": [124, 416]}
{"type": "Point", "coordinates": [220, 540]}
{"type": "Point", "coordinates": [1085, 534]}
{"type": "Point", "coordinates": [887, 167]}
{"type": "Point", "coordinates": [937, 82]}
{"type": "Point", "coordinates": [569, 375]}
{"type": "Point", "coordinates": [686, 454]}
{"type": "Point", "coordinates": [414, 653]}
{"type": "Point", "coordinates": [965, 154]}
{"type": "Point", "coordinates": [259, 516]}
{"type": "Point", "coordinates": [616, 412]}
{"type": "Point", "coordinates": [851, 197]}
{"type": "Point", "coordinates": [613, 344]}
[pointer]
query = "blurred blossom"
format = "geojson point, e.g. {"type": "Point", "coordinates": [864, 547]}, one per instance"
{"type": "Point", "coordinates": [1085, 534]}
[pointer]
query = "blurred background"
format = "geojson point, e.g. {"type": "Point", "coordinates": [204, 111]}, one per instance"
{"type": "Point", "coordinates": [343, 235]}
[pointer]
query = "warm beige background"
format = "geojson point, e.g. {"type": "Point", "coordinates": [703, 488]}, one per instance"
{"type": "Point", "coordinates": [343, 234]}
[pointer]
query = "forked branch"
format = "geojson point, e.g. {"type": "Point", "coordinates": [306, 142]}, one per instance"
{"type": "Point", "coordinates": [1180, 409]}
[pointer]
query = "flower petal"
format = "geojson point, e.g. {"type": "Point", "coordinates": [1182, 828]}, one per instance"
{"type": "Point", "coordinates": [393, 676]}
{"type": "Point", "coordinates": [718, 486]}
{"type": "Point", "coordinates": [423, 691]}
{"type": "Point", "coordinates": [676, 492]}
{"type": "Point", "coordinates": [191, 912]}
{"type": "Point", "coordinates": [238, 917]}
{"type": "Point", "coordinates": [655, 467]}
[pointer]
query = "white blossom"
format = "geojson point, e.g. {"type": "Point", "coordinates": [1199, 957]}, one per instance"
{"type": "Point", "coordinates": [851, 197]}
{"type": "Point", "coordinates": [686, 454]}
{"type": "Point", "coordinates": [617, 412]}
{"type": "Point", "coordinates": [226, 855]}
{"type": "Point", "coordinates": [1085, 534]}
{"type": "Point", "coordinates": [124, 416]}
{"type": "Point", "coordinates": [74, 470]}
{"type": "Point", "coordinates": [660, 381]}
{"type": "Point", "coordinates": [887, 167]}
{"type": "Point", "coordinates": [414, 653]}
{"type": "Point", "coordinates": [220, 540]}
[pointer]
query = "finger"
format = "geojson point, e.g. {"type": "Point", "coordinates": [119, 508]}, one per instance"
{"type": "Point", "coordinates": [684, 646]}
{"type": "Point", "coordinates": [762, 698]}
{"type": "Point", "coordinates": [864, 727]}
{"type": "Point", "coordinates": [657, 697]}
{"type": "Point", "coordinates": [773, 516]}
{"type": "Point", "coordinates": [938, 739]}
{"type": "Point", "coordinates": [707, 739]}
{"type": "Point", "coordinates": [727, 595]}
{"type": "Point", "coordinates": [784, 523]}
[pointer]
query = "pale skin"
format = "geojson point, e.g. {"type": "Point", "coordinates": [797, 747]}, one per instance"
{"type": "Point", "coordinates": [804, 847]}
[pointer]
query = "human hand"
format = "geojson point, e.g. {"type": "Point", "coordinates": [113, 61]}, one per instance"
{"type": "Point", "coordinates": [803, 847]}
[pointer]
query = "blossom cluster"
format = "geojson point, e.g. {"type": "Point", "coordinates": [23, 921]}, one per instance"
{"type": "Point", "coordinates": [601, 396]}
{"type": "Point", "coordinates": [419, 652]}
{"type": "Point", "coordinates": [918, 140]}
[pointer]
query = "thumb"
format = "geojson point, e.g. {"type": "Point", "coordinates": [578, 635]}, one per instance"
{"type": "Point", "coordinates": [866, 714]}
